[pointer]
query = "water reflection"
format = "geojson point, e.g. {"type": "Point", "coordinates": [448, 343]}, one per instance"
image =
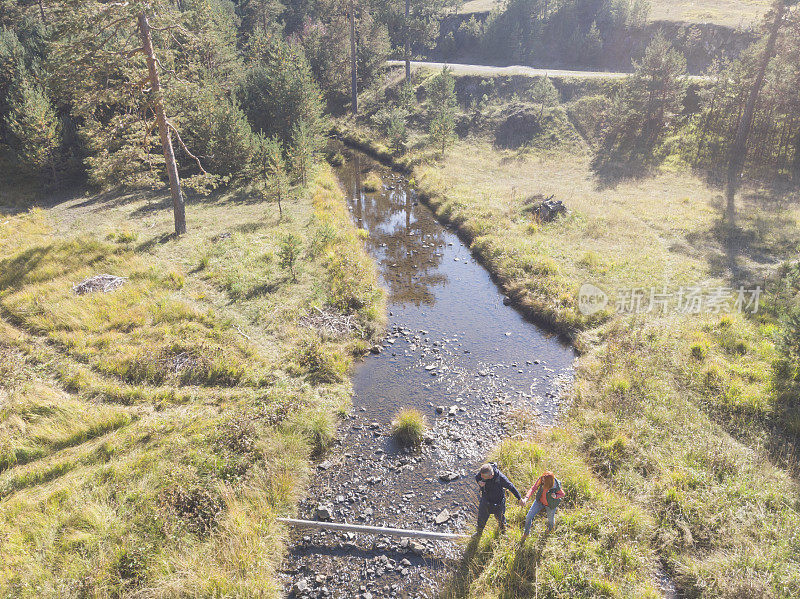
{"type": "Point", "coordinates": [407, 243]}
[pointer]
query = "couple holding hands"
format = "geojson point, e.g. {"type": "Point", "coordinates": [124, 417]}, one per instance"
{"type": "Point", "coordinates": [493, 483]}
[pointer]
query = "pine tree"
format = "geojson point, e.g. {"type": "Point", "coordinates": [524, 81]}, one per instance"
{"type": "Point", "coordinates": [738, 152]}
{"type": "Point", "coordinates": [442, 131]}
{"type": "Point", "coordinates": [270, 165]}
{"type": "Point", "coordinates": [215, 127]}
{"type": "Point", "coordinates": [110, 66]}
{"type": "Point", "coordinates": [278, 91]}
{"type": "Point", "coordinates": [414, 24]}
{"type": "Point", "coordinates": [261, 16]}
{"type": "Point", "coordinates": [34, 127]}
{"type": "Point", "coordinates": [442, 103]}
{"type": "Point", "coordinates": [326, 42]}
{"type": "Point", "coordinates": [638, 118]}
{"type": "Point", "coordinates": [305, 147]}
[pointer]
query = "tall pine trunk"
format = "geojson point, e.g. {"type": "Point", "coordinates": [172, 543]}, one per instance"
{"type": "Point", "coordinates": [739, 149]}
{"type": "Point", "coordinates": [407, 45]}
{"type": "Point", "coordinates": [353, 62]}
{"type": "Point", "coordinates": [178, 205]}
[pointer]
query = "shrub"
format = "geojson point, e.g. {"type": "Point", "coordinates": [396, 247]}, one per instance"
{"type": "Point", "coordinates": [620, 385]}
{"type": "Point", "coordinates": [335, 158]}
{"type": "Point", "coordinates": [130, 566]}
{"type": "Point", "coordinates": [608, 455]}
{"type": "Point", "coordinates": [408, 427]}
{"type": "Point", "coordinates": [122, 236]}
{"type": "Point", "coordinates": [699, 351]}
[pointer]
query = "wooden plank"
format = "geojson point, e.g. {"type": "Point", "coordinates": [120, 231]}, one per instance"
{"type": "Point", "coordinates": [374, 530]}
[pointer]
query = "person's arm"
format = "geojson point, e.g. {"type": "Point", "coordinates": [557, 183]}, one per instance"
{"type": "Point", "coordinates": [532, 490]}
{"type": "Point", "coordinates": [504, 482]}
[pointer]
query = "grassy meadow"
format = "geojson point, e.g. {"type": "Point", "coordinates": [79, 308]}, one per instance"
{"type": "Point", "coordinates": [149, 436]}
{"type": "Point", "coordinates": [675, 451]}
{"type": "Point", "coordinates": [733, 13]}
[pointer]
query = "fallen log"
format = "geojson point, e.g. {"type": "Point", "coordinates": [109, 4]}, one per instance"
{"type": "Point", "coordinates": [374, 530]}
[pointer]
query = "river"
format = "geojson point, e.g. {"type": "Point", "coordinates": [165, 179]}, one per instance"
{"type": "Point", "coordinates": [455, 351]}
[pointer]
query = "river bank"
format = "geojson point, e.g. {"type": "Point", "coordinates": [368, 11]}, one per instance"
{"type": "Point", "coordinates": [646, 382]}
{"type": "Point", "coordinates": [150, 436]}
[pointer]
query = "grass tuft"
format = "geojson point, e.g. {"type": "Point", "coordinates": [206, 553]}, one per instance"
{"type": "Point", "coordinates": [408, 427]}
{"type": "Point", "coordinates": [372, 182]}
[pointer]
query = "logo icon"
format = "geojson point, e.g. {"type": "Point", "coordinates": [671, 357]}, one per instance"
{"type": "Point", "coordinates": [591, 299]}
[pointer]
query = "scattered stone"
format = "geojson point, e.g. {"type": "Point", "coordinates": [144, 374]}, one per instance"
{"type": "Point", "coordinates": [416, 547]}
{"type": "Point", "coordinates": [301, 586]}
{"type": "Point", "coordinates": [447, 477]}
{"type": "Point", "coordinates": [323, 512]}
{"type": "Point", "coordinates": [99, 283]}
{"type": "Point", "coordinates": [376, 349]}
{"type": "Point", "coordinates": [442, 517]}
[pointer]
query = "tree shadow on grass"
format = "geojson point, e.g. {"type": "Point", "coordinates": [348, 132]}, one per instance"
{"type": "Point", "coordinates": [763, 233]}
{"type": "Point", "coordinates": [154, 241]}
{"type": "Point", "coordinates": [608, 175]}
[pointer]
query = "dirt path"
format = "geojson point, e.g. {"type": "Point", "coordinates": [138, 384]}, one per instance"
{"type": "Point", "coordinates": [518, 70]}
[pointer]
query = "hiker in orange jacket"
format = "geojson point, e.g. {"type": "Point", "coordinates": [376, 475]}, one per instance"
{"type": "Point", "coordinates": [548, 493]}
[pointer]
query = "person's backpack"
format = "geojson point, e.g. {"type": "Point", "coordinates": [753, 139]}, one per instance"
{"type": "Point", "coordinates": [553, 499]}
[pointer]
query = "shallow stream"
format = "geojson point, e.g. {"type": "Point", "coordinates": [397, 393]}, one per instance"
{"type": "Point", "coordinates": [455, 351]}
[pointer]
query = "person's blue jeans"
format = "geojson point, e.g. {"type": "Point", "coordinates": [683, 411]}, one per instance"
{"type": "Point", "coordinates": [537, 507]}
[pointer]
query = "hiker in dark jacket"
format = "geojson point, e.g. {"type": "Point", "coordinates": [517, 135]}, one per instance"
{"type": "Point", "coordinates": [493, 484]}
{"type": "Point", "coordinates": [548, 493]}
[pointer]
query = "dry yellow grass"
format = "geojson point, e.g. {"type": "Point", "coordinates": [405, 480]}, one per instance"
{"type": "Point", "coordinates": [661, 230]}
{"type": "Point", "coordinates": [120, 476]}
{"type": "Point", "coordinates": [733, 13]}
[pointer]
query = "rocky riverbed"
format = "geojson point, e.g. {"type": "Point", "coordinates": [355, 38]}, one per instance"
{"type": "Point", "coordinates": [455, 351]}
